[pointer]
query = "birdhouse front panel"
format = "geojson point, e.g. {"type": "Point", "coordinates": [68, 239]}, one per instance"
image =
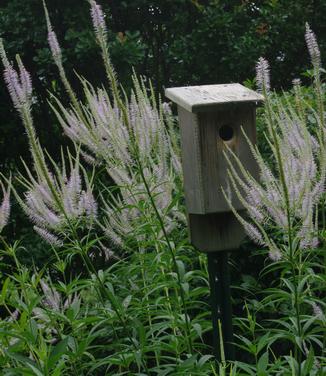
{"type": "Point", "coordinates": [220, 131]}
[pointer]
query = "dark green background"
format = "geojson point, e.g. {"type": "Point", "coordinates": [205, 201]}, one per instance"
{"type": "Point", "coordinates": [173, 42]}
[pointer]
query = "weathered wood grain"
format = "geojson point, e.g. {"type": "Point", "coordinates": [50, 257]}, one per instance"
{"type": "Point", "coordinates": [203, 112]}
{"type": "Point", "coordinates": [201, 98]}
{"type": "Point", "coordinates": [215, 232]}
{"type": "Point", "coordinates": [203, 161]}
{"type": "Point", "coordinates": [191, 161]}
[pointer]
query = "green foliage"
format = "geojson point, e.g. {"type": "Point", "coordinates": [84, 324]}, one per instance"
{"type": "Point", "coordinates": [120, 291]}
{"type": "Point", "coordinates": [172, 42]}
{"type": "Point", "coordinates": [70, 331]}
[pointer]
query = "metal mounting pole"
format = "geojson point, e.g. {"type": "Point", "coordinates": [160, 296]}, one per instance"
{"type": "Point", "coordinates": [219, 280]}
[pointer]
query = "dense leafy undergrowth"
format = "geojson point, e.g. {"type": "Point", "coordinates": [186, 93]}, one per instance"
{"type": "Point", "coordinates": [121, 291]}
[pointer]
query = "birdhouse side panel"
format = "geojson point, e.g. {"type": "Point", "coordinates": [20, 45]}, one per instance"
{"type": "Point", "coordinates": [191, 161]}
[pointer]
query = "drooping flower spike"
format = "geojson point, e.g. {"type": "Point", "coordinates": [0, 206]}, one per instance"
{"type": "Point", "coordinates": [5, 206]}
{"type": "Point", "coordinates": [53, 219]}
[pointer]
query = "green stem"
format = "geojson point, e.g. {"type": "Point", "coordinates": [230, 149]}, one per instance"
{"type": "Point", "coordinates": [143, 273]}
{"type": "Point", "coordinates": [91, 271]}
{"type": "Point", "coordinates": [135, 152]}
{"type": "Point", "coordinates": [298, 353]}
{"type": "Point", "coordinates": [159, 217]}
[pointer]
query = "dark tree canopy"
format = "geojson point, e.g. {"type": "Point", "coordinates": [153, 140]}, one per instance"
{"type": "Point", "coordinates": [173, 42]}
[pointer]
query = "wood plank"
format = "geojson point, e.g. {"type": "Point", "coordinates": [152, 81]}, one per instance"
{"type": "Point", "coordinates": [191, 161]}
{"type": "Point", "coordinates": [201, 98]}
{"type": "Point", "coordinates": [212, 147]}
{"type": "Point", "coordinates": [215, 232]}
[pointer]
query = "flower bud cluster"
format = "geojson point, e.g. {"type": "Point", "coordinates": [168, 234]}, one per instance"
{"type": "Point", "coordinates": [75, 204]}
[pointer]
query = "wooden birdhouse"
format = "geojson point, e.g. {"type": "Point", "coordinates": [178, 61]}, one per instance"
{"type": "Point", "coordinates": [213, 118]}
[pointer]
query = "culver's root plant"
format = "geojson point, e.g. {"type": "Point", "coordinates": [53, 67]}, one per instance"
{"type": "Point", "coordinates": [131, 138]}
{"type": "Point", "coordinates": [284, 209]}
{"type": "Point", "coordinates": [145, 322]}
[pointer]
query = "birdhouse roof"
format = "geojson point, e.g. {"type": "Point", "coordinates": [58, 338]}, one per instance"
{"type": "Point", "coordinates": [204, 97]}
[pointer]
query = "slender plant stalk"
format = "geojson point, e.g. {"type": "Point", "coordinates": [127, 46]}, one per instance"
{"type": "Point", "coordinates": [298, 352]}
{"type": "Point", "coordinates": [143, 274]}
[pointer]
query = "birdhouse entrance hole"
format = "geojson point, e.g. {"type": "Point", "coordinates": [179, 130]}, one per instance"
{"type": "Point", "coordinates": [226, 132]}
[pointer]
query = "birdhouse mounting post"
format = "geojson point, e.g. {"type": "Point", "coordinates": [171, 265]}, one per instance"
{"type": "Point", "coordinates": [219, 281]}
{"type": "Point", "coordinates": [212, 120]}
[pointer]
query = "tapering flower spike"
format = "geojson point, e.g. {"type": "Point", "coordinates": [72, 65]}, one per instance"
{"type": "Point", "coordinates": [54, 45]}
{"type": "Point", "coordinates": [313, 48]}
{"type": "Point", "coordinates": [262, 75]}
{"type": "Point", "coordinates": [12, 81]}
{"type": "Point", "coordinates": [57, 57]}
{"type": "Point", "coordinates": [48, 237]}
{"type": "Point", "coordinates": [52, 38]}
{"type": "Point", "coordinates": [98, 19]}
{"type": "Point", "coordinates": [19, 84]}
{"type": "Point", "coordinates": [25, 80]}
{"type": "Point", "coordinates": [296, 82]}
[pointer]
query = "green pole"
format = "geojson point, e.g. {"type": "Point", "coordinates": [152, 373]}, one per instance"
{"type": "Point", "coordinates": [219, 280]}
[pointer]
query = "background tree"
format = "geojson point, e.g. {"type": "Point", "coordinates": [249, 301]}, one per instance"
{"type": "Point", "coordinates": [173, 42]}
